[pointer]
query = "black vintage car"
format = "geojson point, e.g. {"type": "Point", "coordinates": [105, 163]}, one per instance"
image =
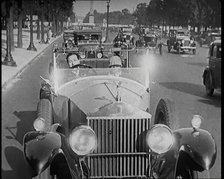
{"type": "Point", "coordinates": [212, 73]}
{"type": "Point", "coordinates": [149, 41]}
{"type": "Point", "coordinates": [96, 123]}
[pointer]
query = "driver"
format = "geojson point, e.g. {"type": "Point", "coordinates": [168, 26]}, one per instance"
{"type": "Point", "coordinates": [72, 60]}
{"type": "Point", "coordinates": [115, 62]}
{"type": "Point", "coordinates": [115, 65]}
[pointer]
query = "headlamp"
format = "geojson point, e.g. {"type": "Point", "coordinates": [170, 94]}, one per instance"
{"type": "Point", "coordinates": [39, 124]}
{"type": "Point", "coordinates": [83, 140]}
{"type": "Point", "coordinates": [99, 55]}
{"type": "Point", "coordinates": [160, 138]}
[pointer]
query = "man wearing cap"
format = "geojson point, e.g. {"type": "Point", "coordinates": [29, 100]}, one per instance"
{"type": "Point", "coordinates": [115, 64]}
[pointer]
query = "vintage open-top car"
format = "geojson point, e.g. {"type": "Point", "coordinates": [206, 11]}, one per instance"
{"type": "Point", "coordinates": [87, 42]}
{"type": "Point", "coordinates": [82, 37]}
{"type": "Point", "coordinates": [212, 73]}
{"type": "Point", "coordinates": [181, 41]}
{"type": "Point", "coordinates": [95, 122]}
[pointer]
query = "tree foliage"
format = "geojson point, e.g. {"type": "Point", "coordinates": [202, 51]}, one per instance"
{"type": "Point", "coordinates": [179, 13]}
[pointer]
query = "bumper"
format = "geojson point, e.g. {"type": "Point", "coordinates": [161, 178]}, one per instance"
{"type": "Point", "coordinates": [188, 48]}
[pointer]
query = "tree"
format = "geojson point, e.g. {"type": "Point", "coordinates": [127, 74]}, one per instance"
{"type": "Point", "coordinates": [140, 14]}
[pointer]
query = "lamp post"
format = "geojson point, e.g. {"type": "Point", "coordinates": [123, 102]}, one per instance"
{"type": "Point", "coordinates": [8, 57]}
{"type": "Point", "coordinates": [48, 6]}
{"type": "Point", "coordinates": [42, 21]}
{"type": "Point", "coordinates": [108, 6]}
{"type": "Point", "coordinates": [31, 46]}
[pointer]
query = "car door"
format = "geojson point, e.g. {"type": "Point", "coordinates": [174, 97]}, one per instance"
{"type": "Point", "coordinates": [215, 64]}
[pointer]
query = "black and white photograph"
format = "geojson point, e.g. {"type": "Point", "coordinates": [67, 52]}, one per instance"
{"type": "Point", "coordinates": [111, 89]}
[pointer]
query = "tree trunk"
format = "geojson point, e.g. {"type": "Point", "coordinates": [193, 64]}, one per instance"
{"type": "Point", "coordinates": [38, 27]}
{"type": "Point", "coordinates": [20, 21]}
{"type": "Point", "coordinates": [54, 25]}
{"type": "Point", "coordinates": [61, 26]}
{"type": "Point", "coordinates": [11, 26]}
{"type": "Point", "coordinates": [42, 26]}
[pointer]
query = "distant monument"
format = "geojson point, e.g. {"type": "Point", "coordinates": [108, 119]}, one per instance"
{"type": "Point", "coordinates": [91, 14]}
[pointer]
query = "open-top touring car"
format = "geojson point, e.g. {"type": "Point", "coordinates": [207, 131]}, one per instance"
{"type": "Point", "coordinates": [95, 122]}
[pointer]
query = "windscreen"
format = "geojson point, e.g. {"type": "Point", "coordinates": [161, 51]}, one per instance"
{"type": "Point", "coordinates": [63, 76]}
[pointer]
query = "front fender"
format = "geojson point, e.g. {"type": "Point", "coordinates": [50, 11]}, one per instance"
{"type": "Point", "coordinates": [39, 149]}
{"type": "Point", "coordinates": [200, 147]}
{"type": "Point", "coordinates": [198, 144]}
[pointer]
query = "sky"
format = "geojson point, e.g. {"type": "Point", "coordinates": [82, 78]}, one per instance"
{"type": "Point", "coordinates": [82, 7]}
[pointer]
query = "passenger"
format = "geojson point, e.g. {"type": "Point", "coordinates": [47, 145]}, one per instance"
{"type": "Point", "coordinates": [115, 61]}
{"type": "Point", "coordinates": [115, 65]}
{"type": "Point", "coordinates": [72, 60]}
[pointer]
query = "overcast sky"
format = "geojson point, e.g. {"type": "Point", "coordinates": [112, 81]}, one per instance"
{"type": "Point", "coordinates": [82, 7]}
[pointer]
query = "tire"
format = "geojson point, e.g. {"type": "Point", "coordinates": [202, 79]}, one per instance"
{"type": "Point", "coordinates": [178, 50]}
{"type": "Point", "coordinates": [165, 114]}
{"type": "Point", "coordinates": [160, 49]}
{"type": "Point", "coordinates": [169, 48]}
{"type": "Point", "coordinates": [194, 52]}
{"type": "Point", "coordinates": [208, 85]}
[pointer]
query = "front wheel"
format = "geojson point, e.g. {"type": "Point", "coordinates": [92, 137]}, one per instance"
{"type": "Point", "coordinates": [208, 85]}
{"type": "Point", "coordinates": [169, 48]}
{"type": "Point", "coordinates": [165, 114]}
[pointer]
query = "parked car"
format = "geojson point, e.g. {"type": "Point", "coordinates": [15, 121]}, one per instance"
{"type": "Point", "coordinates": [181, 41]}
{"type": "Point", "coordinates": [96, 123]}
{"type": "Point", "coordinates": [212, 73]}
{"type": "Point", "coordinates": [207, 37]}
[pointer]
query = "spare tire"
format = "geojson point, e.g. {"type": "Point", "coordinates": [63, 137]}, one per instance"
{"type": "Point", "coordinates": [165, 113]}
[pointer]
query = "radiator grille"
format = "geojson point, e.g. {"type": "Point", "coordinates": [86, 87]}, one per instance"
{"type": "Point", "coordinates": [186, 43]}
{"type": "Point", "coordinates": [118, 152]}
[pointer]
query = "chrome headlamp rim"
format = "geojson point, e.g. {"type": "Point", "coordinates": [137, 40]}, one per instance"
{"type": "Point", "coordinates": [99, 55]}
{"type": "Point", "coordinates": [82, 127]}
{"type": "Point", "coordinates": [161, 126]}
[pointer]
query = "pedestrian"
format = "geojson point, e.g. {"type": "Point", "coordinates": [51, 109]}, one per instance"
{"type": "Point", "coordinates": [50, 33]}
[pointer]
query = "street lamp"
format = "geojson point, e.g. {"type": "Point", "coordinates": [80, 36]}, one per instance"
{"type": "Point", "coordinates": [108, 6]}
{"type": "Point", "coordinates": [31, 46]}
{"type": "Point", "coordinates": [42, 21]}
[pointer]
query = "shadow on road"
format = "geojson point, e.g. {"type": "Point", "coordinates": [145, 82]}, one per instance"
{"type": "Point", "coordinates": [24, 125]}
{"type": "Point", "coordinates": [13, 155]}
{"type": "Point", "coordinates": [194, 89]}
{"type": "Point", "coordinates": [20, 169]}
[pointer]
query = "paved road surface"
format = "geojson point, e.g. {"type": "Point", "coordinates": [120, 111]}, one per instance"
{"type": "Point", "coordinates": [174, 76]}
